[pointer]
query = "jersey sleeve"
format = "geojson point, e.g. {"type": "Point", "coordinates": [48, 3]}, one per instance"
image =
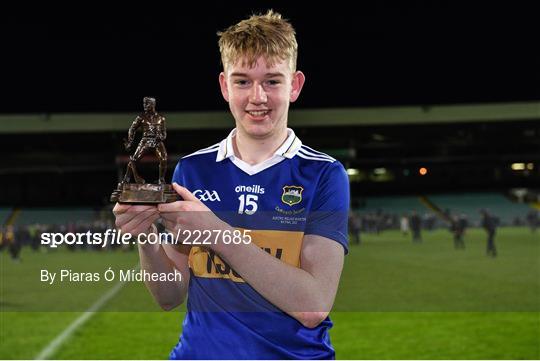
{"type": "Point", "coordinates": [178, 175]}
{"type": "Point", "coordinates": [328, 216]}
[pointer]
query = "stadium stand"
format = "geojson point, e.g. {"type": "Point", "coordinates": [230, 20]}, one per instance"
{"type": "Point", "coordinates": [471, 203]}
{"type": "Point", "coordinates": [392, 204]}
{"type": "Point", "coordinates": [55, 215]}
{"type": "Point", "coordinates": [468, 204]}
{"type": "Point", "coordinates": [4, 214]}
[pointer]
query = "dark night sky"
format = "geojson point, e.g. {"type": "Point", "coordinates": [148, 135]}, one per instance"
{"type": "Point", "coordinates": [103, 60]}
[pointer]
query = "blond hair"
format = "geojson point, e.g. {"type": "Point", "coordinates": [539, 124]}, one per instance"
{"type": "Point", "coordinates": [267, 35]}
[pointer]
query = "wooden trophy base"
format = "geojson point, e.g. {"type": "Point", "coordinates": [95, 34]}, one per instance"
{"type": "Point", "coordinates": [135, 193]}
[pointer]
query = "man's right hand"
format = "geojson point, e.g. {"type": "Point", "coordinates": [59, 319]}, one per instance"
{"type": "Point", "coordinates": [135, 219]}
{"type": "Point", "coordinates": [155, 258]}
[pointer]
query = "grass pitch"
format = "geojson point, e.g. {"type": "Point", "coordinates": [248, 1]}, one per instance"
{"type": "Point", "coordinates": [397, 300]}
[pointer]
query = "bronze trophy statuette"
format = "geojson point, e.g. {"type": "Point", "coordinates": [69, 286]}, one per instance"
{"type": "Point", "coordinates": [153, 135]}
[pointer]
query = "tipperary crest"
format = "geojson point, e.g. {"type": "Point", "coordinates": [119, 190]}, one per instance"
{"type": "Point", "coordinates": [292, 195]}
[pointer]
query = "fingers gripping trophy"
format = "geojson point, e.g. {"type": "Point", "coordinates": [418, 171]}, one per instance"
{"type": "Point", "coordinates": [154, 133]}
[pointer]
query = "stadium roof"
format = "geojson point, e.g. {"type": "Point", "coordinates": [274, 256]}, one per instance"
{"type": "Point", "coordinates": [92, 122]}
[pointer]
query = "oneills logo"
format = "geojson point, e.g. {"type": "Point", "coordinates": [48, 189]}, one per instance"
{"type": "Point", "coordinates": [292, 195]}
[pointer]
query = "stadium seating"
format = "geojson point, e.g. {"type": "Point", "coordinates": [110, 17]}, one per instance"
{"type": "Point", "coordinates": [460, 203]}
{"type": "Point", "coordinates": [4, 214]}
{"type": "Point", "coordinates": [398, 205]}
{"type": "Point", "coordinates": [471, 204]}
{"type": "Point", "coordinates": [55, 215]}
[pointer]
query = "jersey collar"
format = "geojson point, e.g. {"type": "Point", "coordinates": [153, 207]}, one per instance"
{"type": "Point", "coordinates": [288, 149]}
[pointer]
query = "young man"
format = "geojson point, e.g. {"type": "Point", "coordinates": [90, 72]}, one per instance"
{"type": "Point", "coordinates": [268, 298]}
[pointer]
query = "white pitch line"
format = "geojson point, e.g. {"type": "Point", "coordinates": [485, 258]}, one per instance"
{"type": "Point", "coordinates": [53, 346]}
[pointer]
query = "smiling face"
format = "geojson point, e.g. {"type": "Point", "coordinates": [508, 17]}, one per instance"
{"type": "Point", "coordinates": [259, 96]}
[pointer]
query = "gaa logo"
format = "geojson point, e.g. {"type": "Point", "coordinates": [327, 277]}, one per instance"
{"type": "Point", "coordinates": [206, 195]}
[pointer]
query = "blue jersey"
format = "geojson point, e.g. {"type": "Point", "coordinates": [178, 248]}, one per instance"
{"type": "Point", "coordinates": [298, 191]}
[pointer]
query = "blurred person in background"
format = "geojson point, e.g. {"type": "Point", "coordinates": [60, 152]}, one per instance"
{"type": "Point", "coordinates": [13, 243]}
{"type": "Point", "coordinates": [415, 222]}
{"type": "Point", "coordinates": [354, 226]}
{"type": "Point", "coordinates": [533, 220]}
{"type": "Point", "coordinates": [458, 226]}
{"type": "Point", "coordinates": [404, 225]}
{"type": "Point", "coordinates": [489, 223]}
